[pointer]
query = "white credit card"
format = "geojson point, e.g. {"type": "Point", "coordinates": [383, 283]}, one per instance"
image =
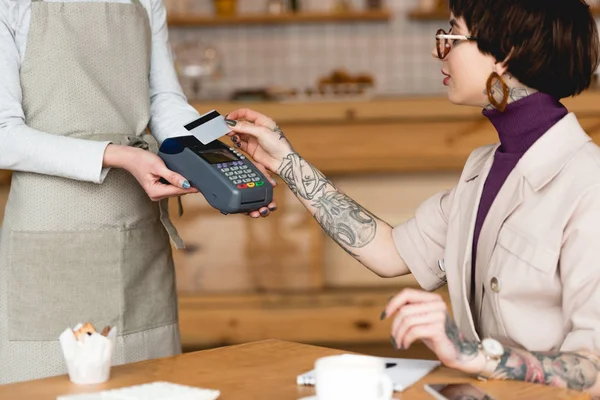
{"type": "Point", "coordinates": [209, 127]}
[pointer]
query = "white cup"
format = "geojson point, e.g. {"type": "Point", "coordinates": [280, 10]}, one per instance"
{"type": "Point", "coordinates": [352, 377]}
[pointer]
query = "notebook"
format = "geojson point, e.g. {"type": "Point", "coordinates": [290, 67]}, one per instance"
{"type": "Point", "coordinates": [403, 372]}
{"type": "Point", "coordinates": [149, 391]}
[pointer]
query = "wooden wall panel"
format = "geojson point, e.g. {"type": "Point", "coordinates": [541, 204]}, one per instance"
{"type": "Point", "coordinates": [350, 316]}
{"type": "Point", "coordinates": [239, 254]}
{"type": "Point", "coordinates": [392, 197]}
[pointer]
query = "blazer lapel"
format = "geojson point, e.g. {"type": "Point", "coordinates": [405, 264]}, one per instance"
{"type": "Point", "coordinates": [507, 200]}
{"type": "Point", "coordinates": [469, 203]}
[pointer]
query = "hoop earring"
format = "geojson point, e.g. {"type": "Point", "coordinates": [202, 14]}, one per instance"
{"type": "Point", "coordinates": [502, 105]}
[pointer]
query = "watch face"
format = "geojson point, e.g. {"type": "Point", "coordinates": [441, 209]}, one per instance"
{"type": "Point", "coordinates": [492, 347]}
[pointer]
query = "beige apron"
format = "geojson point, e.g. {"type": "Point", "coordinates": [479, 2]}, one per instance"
{"type": "Point", "coordinates": [74, 251]}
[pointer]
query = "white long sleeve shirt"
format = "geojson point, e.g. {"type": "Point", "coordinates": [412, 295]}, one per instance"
{"type": "Point", "coordinates": [25, 149]}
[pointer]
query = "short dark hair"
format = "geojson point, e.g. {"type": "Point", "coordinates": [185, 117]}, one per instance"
{"type": "Point", "coordinates": [553, 44]}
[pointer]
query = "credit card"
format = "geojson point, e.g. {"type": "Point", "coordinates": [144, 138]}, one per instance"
{"type": "Point", "coordinates": [209, 127]}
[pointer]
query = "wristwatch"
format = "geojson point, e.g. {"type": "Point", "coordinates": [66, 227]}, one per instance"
{"type": "Point", "coordinates": [493, 351]}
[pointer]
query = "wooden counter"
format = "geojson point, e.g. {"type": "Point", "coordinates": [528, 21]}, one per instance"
{"type": "Point", "coordinates": [260, 370]}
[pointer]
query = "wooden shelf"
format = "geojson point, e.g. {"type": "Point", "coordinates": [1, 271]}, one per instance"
{"type": "Point", "coordinates": [262, 19]}
{"type": "Point", "coordinates": [438, 15]}
{"type": "Point", "coordinates": [443, 15]}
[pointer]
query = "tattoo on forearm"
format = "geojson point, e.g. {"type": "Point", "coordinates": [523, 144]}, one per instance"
{"type": "Point", "coordinates": [467, 349]}
{"type": "Point", "coordinates": [345, 221]}
{"type": "Point", "coordinates": [571, 370]}
{"type": "Point", "coordinates": [303, 179]}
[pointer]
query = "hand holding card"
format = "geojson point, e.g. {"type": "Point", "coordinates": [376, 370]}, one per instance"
{"type": "Point", "coordinates": [260, 137]}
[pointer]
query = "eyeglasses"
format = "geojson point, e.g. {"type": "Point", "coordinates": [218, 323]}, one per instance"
{"type": "Point", "coordinates": [444, 42]}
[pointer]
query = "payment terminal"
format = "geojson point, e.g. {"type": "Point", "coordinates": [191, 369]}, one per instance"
{"type": "Point", "coordinates": [228, 180]}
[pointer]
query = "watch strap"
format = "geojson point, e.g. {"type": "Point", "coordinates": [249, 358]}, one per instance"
{"type": "Point", "coordinates": [491, 363]}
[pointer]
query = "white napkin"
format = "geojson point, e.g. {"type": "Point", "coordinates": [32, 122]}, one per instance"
{"type": "Point", "coordinates": [89, 360]}
{"type": "Point", "coordinates": [150, 391]}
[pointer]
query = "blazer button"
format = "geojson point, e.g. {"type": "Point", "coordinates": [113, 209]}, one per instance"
{"type": "Point", "coordinates": [441, 265]}
{"type": "Point", "coordinates": [495, 285]}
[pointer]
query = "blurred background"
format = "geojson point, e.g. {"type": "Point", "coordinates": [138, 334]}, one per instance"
{"type": "Point", "coordinates": [354, 86]}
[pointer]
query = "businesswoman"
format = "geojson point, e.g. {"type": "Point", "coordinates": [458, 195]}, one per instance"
{"type": "Point", "coordinates": [516, 238]}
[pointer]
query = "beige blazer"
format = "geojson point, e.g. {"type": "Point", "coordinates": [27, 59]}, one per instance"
{"type": "Point", "coordinates": [538, 257]}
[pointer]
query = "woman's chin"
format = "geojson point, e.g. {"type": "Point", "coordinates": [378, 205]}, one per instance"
{"type": "Point", "coordinates": [457, 98]}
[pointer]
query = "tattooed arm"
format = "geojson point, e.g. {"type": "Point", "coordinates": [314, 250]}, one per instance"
{"type": "Point", "coordinates": [422, 316]}
{"type": "Point", "coordinates": [350, 225]}
{"type": "Point", "coordinates": [354, 228]}
{"type": "Point", "coordinates": [571, 370]}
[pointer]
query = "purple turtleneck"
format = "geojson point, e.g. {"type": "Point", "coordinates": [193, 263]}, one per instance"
{"type": "Point", "coordinates": [519, 126]}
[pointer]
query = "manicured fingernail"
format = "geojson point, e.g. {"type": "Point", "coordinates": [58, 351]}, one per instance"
{"type": "Point", "coordinates": [393, 342]}
{"type": "Point", "coordinates": [234, 139]}
{"type": "Point", "coordinates": [238, 145]}
{"type": "Point", "coordinates": [272, 208]}
{"type": "Point", "coordinates": [185, 184]}
{"type": "Point", "coordinates": [264, 212]}
{"type": "Point", "coordinates": [230, 122]}
{"type": "Point", "coordinates": [383, 314]}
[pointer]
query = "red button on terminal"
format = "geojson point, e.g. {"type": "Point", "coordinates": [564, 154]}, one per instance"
{"type": "Point", "coordinates": [242, 186]}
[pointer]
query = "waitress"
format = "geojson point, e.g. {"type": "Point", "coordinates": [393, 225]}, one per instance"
{"type": "Point", "coordinates": [86, 229]}
{"type": "Point", "coordinates": [516, 239]}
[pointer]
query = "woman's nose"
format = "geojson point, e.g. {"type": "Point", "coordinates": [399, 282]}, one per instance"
{"type": "Point", "coordinates": [434, 54]}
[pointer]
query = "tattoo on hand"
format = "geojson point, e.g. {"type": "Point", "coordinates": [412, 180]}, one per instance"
{"type": "Point", "coordinates": [467, 349]}
{"type": "Point", "coordinates": [278, 130]}
{"type": "Point", "coordinates": [345, 221]}
{"type": "Point", "coordinates": [571, 370]}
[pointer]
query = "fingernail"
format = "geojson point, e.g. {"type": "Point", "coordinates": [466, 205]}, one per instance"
{"type": "Point", "coordinates": [393, 342]}
{"type": "Point", "coordinates": [383, 314]}
{"type": "Point", "coordinates": [230, 122]}
{"type": "Point", "coordinates": [238, 145]}
{"type": "Point", "coordinates": [234, 139]}
{"type": "Point", "coordinates": [264, 212]}
{"type": "Point", "coordinates": [272, 208]}
{"type": "Point", "coordinates": [185, 184]}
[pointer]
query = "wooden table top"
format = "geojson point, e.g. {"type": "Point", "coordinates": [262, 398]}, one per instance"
{"type": "Point", "coordinates": [258, 370]}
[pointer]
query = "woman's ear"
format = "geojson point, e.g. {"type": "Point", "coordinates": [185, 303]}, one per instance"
{"type": "Point", "coordinates": [501, 67]}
